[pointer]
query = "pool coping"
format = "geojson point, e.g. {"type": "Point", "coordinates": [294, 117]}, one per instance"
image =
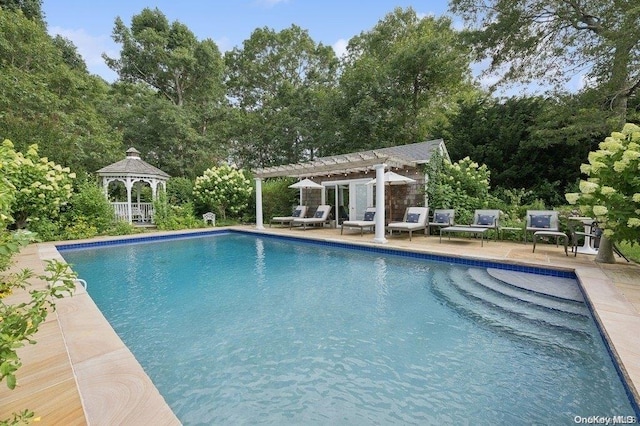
{"type": "Point", "coordinates": [105, 370]}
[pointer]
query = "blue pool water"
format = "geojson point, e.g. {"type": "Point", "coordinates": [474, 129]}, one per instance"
{"type": "Point", "coordinates": [237, 329]}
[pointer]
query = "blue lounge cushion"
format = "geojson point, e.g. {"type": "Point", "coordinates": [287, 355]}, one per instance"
{"type": "Point", "coordinates": [540, 221]}
{"type": "Point", "coordinates": [442, 218]}
{"type": "Point", "coordinates": [413, 217]}
{"type": "Point", "coordinates": [368, 216]}
{"type": "Point", "coordinates": [485, 219]}
{"type": "Point", "coordinates": [297, 213]}
{"type": "Point", "coordinates": [318, 214]}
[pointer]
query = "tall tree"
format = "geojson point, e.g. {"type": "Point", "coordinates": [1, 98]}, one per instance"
{"type": "Point", "coordinates": [279, 82]}
{"type": "Point", "coordinates": [32, 9]}
{"type": "Point", "coordinates": [398, 78]}
{"type": "Point", "coordinates": [533, 143]}
{"type": "Point", "coordinates": [46, 99]}
{"type": "Point", "coordinates": [554, 40]}
{"type": "Point", "coordinates": [172, 87]}
{"type": "Point", "coordinates": [167, 57]}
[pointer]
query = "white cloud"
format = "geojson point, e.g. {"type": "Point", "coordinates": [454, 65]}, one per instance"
{"type": "Point", "coordinates": [224, 44]}
{"type": "Point", "coordinates": [91, 48]}
{"type": "Point", "coordinates": [340, 47]}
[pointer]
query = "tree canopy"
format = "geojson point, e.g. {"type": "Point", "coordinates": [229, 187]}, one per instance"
{"type": "Point", "coordinates": [551, 41]}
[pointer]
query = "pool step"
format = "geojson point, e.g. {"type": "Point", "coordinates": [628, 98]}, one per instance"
{"type": "Point", "coordinates": [501, 315]}
{"type": "Point", "coordinates": [467, 283]}
{"type": "Point", "coordinates": [485, 278]}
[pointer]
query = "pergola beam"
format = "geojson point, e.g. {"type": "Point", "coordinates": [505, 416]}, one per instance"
{"type": "Point", "coordinates": [338, 164]}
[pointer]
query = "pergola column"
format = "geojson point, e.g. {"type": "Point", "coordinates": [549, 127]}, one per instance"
{"type": "Point", "coordinates": [259, 218]}
{"type": "Point", "coordinates": [379, 216]}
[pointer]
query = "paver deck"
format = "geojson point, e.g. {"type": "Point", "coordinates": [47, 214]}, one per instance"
{"type": "Point", "coordinates": [81, 373]}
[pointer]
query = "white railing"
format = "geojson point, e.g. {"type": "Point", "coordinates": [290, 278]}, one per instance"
{"type": "Point", "coordinates": [140, 212]}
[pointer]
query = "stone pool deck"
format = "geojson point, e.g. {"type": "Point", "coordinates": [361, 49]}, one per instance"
{"type": "Point", "coordinates": [80, 372]}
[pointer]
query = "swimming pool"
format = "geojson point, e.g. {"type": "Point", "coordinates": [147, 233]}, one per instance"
{"type": "Point", "coordinates": [239, 329]}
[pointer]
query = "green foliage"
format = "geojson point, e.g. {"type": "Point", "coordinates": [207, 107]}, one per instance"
{"type": "Point", "coordinates": [173, 217]}
{"type": "Point", "coordinates": [47, 99]}
{"type": "Point", "coordinates": [611, 193]}
{"type": "Point", "coordinates": [24, 417]}
{"type": "Point", "coordinates": [398, 80]}
{"type": "Point", "coordinates": [41, 186]}
{"type": "Point", "coordinates": [463, 186]}
{"type": "Point", "coordinates": [533, 143]}
{"type": "Point", "coordinates": [553, 41]}
{"type": "Point", "coordinates": [19, 322]}
{"type": "Point", "coordinates": [179, 190]}
{"type": "Point", "coordinates": [279, 83]}
{"type": "Point", "coordinates": [123, 228]}
{"type": "Point", "coordinates": [89, 206]}
{"type": "Point", "coordinates": [632, 252]}
{"type": "Point", "coordinates": [277, 198]}
{"type": "Point", "coordinates": [223, 189]}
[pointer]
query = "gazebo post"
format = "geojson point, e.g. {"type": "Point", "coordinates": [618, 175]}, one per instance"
{"type": "Point", "coordinates": [259, 218]}
{"type": "Point", "coordinates": [129, 211]}
{"type": "Point", "coordinates": [379, 216]}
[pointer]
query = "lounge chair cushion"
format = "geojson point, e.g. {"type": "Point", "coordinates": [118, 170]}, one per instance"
{"type": "Point", "coordinates": [296, 213]}
{"type": "Point", "coordinates": [318, 214]}
{"type": "Point", "coordinates": [541, 221]}
{"type": "Point", "coordinates": [413, 217]}
{"type": "Point", "coordinates": [442, 218]}
{"type": "Point", "coordinates": [368, 216]}
{"type": "Point", "coordinates": [485, 219]}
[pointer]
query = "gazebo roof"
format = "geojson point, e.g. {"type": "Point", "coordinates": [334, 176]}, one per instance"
{"type": "Point", "coordinates": [395, 156]}
{"type": "Point", "coordinates": [133, 165]}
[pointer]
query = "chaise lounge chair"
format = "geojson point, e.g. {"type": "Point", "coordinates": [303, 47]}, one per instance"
{"type": "Point", "coordinates": [442, 218]}
{"type": "Point", "coordinates": [320, 217]}
{"type": "Point", "coordinates": [298, 212]}
{"type": "Point", "coordinates": [544, 223]}
{"type": "Point", "coordinates": [368, 221]}
{"type": "Point", "coordinates": [415, 219]}
{"type": "Point", "coordinates": [487, 219]}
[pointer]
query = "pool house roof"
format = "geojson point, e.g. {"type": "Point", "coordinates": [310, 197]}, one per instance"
{"type": "Point", "coordinates": [396, 156]}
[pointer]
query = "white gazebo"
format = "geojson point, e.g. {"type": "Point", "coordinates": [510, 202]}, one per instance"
{"type": "Point", "coordinates": [133, 172]}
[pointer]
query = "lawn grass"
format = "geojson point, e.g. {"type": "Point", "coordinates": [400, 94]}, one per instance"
{"type": "Point", "coordinates": [631, 252]}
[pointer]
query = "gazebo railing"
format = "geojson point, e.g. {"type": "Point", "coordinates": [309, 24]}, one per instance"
{"type": "Point", "coordinates": [140, 212]}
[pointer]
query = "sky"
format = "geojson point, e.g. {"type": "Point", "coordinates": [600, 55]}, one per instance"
{"type": "Point", "coordinates": [89, 24]}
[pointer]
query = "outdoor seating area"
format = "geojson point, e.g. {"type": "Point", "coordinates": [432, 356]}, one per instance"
{"type": "Point", "coordinates": [320, 217]}
{"type": "Point", "coordinates": [442, 218]}
{"type": "Point", "coordinates": [298, 213]}
{"type": "Point", "coordinates": [367, 223]}
{"type": "Point", "coordinates": [415, 219]}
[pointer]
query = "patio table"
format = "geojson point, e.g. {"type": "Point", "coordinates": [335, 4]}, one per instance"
{"type": "Point", "coordinates": [461, 229]}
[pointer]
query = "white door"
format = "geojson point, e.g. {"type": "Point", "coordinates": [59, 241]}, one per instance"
{"type": "Point", "coordinates": [360, 197]}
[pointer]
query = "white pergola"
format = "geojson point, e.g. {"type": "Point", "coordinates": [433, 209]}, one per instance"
{"type": "Point", "coordinates": [339, 164]}
{"type": "Point", "coordinates": [131, 171]}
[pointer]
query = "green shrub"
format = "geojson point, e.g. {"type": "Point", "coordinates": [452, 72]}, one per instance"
{"type": "Point", "coordinates": [168, 217]}
{"type": "Point", "coordinates": [122, 227]}
{"type": "Point", "coordinates": [179, 191]}
{"type": "Point", "coordinates": [79, 230]}
{"type": "Point", "coordinates": [89, 205]}
{"type": "Point", "coordinates": [277, 198]}
{"type": "Point", "coordinates": [463, 186]}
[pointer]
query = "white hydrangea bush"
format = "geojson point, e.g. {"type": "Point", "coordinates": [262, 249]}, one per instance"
{"type": "Point", "coordinates": [611, 192]}
{"type": "Point", "coordinates": [224, 190]}
{"type": "Point", "coordinates": [40, 187]}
